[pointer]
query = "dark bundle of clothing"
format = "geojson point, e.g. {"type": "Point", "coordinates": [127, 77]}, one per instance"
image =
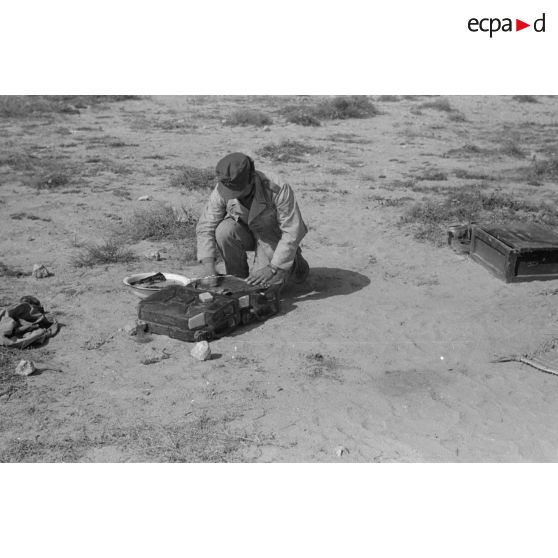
{"type": "Point", "coordinates": [26, 323]}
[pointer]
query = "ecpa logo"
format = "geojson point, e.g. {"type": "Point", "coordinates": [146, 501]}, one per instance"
{"type": "Point", "coordinates": [492, 25]}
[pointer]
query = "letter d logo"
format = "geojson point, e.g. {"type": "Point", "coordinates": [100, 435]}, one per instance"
{"type": "Point", "coordinates": [539, 24]}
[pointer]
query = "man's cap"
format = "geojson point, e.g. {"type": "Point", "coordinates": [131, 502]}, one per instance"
{"type": "Point", "coordinates": [233, 173]}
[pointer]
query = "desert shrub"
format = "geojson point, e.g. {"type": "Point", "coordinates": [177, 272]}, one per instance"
{"type": "Point", "coordinates": [511, 149]}
{"type": "Point", "coordinates": [432, 217]}
{"type": "Point", "coordinates": [18, 161]}
{"type": "Point", "coordinates": [467, 150]}
{"type": "Point", "coordinates": [434, 175]}
{"type": "Point", "coordinates": [159, 223]}
{"type": "Point", "coordinates": [525, 99]}
{"type": "Point", "coordinates": [52, 180]}
{"type": "Point", "coordinates": [388, 98]}
{"type": "Point", "coordinates": [457, 116]}
{"type": "Point", "coordinates": [287, 151]}
{"type": "Point", "coordinates": [442, 105]}
{"type": "Point", "coordinates": [546, 169]}
{"type": "Point", "coordinates": [248, 117]}
{"type": "Point", "coordinates": [110, 252]}
{"type": "Point", "coordinates": [7, 271]}
{"type": "Point", "coordinates": [193, 178]}
{"type": "Point", "coordinates": [341, 108]}
{"type": "Point", "coordinates": [300, 116]}
{"type": "Point", "coordinates": [331, 108]}
{"type": "Point", "coordinates": [468, 175]}
{"type": "Point", "coordinates": [18, 106]}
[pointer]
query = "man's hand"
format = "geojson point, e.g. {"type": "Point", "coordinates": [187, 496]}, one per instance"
{"type": "Point", "coordinates": [209, 271]}
{"type": "Point", "coordinates": [265, 276]}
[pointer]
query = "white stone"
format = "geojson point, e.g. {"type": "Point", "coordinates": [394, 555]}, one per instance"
{"type": "Point", "coordinates": [130, 329]}
{"type": "Point", "coordinates": [25, 368]}
{"type": "Point", "coordinates": [340, 451]}
{"type": "Point", "coordinates": [40, 271]}
{"type": "Point", "coordinates": [144, 198]}
{"type": "Point", "coordinates": [201, 350]}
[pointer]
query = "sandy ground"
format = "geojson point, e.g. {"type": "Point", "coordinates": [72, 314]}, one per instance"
{"type": "Point", "coordinates": [385, 352]}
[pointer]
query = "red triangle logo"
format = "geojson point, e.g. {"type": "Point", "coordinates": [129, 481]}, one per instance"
{"type": "Point", "coordinates": [519, 25]}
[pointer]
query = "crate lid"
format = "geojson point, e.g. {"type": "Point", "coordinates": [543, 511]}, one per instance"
{"type": "Point", "coordinates": [524, 236]}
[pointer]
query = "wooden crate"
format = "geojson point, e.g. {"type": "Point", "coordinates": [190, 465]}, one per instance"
{"type": "Point", "coordinates": [514, 253]}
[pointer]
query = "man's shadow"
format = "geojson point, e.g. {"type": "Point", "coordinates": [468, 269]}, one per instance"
{"type": "Point", "coordinates": [322, 282]}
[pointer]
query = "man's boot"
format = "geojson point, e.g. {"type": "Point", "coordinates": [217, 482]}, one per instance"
{"type": "Point", "coordinates": [300, 270]}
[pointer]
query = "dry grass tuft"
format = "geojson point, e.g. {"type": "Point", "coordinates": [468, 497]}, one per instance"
{"type": "Point", "coordinates": [432, 175]}
{"type": "Point", "coordinates": [442, 105]}
{"type": "Point", "coordinates": [111, 252]}
{"type": "Point", "coordinates": [537, 171]}
{"type": "Point", "coordinates": [248, 117]}
{"type": "Point", "coordinates": [525, 99]}
{"type": "Point", "coordinates": [332, 108]}
{"type": "Point", "coordinates": [432, 217]}
{"type": "Point", "coordinates": [52, 180]}
{"type": "Point", "coordinates": [287, 151]}
{"type": "Point", "coordinates": [21, 106]}
{"type": "Point", "coordinates": [7, 271]}
{"type": "Point", "coordinates": [469, 175]}
{"type": "Point", "coordinates": [300, 116]}
{"type": "Point", "coordinates": [511, 149]}
{"type": "Point", "coordinates": [193, 178]}
{"type": "Point", "coordinates": [159, 223]}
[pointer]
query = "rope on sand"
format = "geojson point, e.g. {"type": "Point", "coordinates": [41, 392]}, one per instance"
{"type": "Point", "coordinates": [529, 362]}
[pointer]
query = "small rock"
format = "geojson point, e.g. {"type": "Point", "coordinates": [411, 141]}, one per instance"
{"type": "Point", "coordinates": [201, 350]}
{"type": "Point", "coordinates": [130, 329]}
{"type": "Point", "coordinates": [25, 368]}
{"type": "Point", "coordinates": [144, 198]}
{"type": "Point", "coordinates": [154, 356]}
{"type": "Point", "coordinates": [340, 451]}
{"type": "Point", "coordinates": [266, 129]}
{"type": "Point", "coordinates": [40, 271]}
{"type": "Point", "coordinates": [154, 255]}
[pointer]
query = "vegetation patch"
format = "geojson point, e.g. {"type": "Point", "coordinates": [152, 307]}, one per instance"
{"type": "Point", "coordinates": [287, 151]}
{"type": "Point", "coordinates": [52, 180]}
{"type": "Point", "coordinates": [511, 149]}
{"type": "Point", "coordinates": [110, 252]}
{"type": "Point", "coordinates": [432, 175]}
{"type": "Point", "coordinates": [193, 178]}
{"type": "Point", "coordinates": [159, 223]}
{"type": "Point", "coordinates": [468, 150]}
{"type": "Point", "coordinates": [7, 271]}
{"type": "Point", "coordinates": [431, 218]}
{"type": "Point", "coordinates": [541, 170]}
{"type": "Point", "coordinates": [388, 98]}
{"type": "Point", "coordinates": [248, 117]}
{"type": "Point", "coordinates": [23, 215]}
{"type": "Point", "coordinates": [331, 108]}
{"type": "Point", "coordinates": [21, 106]}
{"type": "Point", "coordinates": [300, 116]}
{"type": "Point", "coordinates": [471, 175]}
{"type": "Point", "coordinates": [442, 105]}
{"type": "Point", "coordinates": [525, 99]}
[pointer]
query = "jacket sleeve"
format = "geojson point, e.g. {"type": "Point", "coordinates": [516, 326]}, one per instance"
{"type": "Point", "coordinates": [213, 213]}
{"type": "Point", "coordinates": [292, 227]}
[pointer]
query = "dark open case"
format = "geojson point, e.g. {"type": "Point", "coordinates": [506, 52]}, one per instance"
{"type": "Point", "coordinates": [514, 253]}
{"type": "Point", "coordinates": [198, 312]}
